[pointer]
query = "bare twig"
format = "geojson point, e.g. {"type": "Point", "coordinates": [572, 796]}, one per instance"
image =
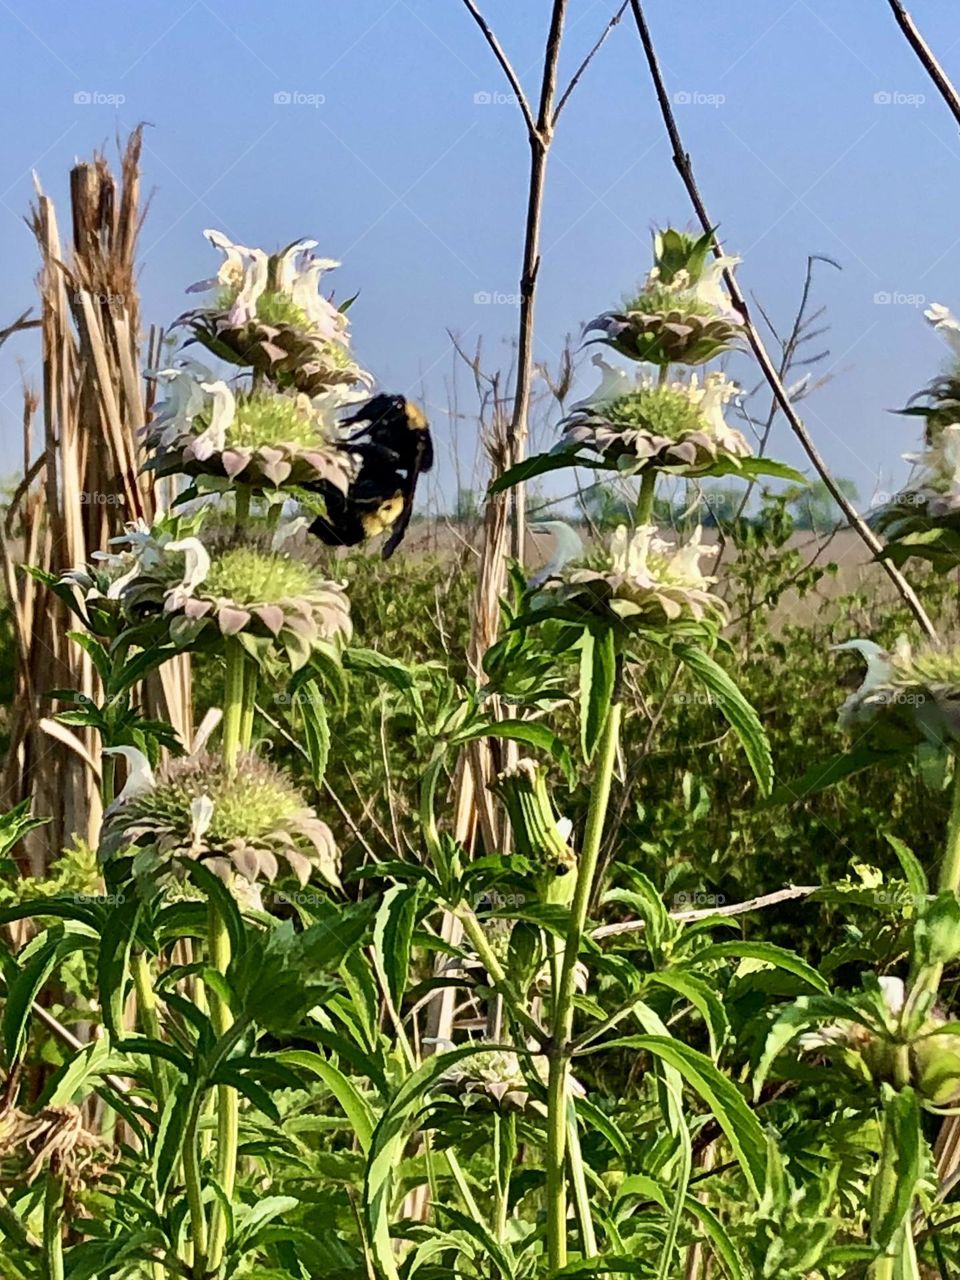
{"type": "Point", "coordinates": [681, 160]}
{"type": "Point", "coordinates": [578, 74]}
{"type": "Point", "coordinates": [734, 909]}
{"type": "Point", "coordinates": [923, 51]}
{"type": "Point", "coordinates": [540, 136]}
{"type": "Point", "coordinates": [505, 65]}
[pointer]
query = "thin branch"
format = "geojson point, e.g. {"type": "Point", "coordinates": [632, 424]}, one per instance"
{"type": "Point", "coordinates": [505, 64]}
{"type": "Point", "coordinates": [681, 160]}
{"type": "Point", "coordinates": [578, 74]}
{"type": "Point", "coordinates": [734, 909]}
{"type": "Point", "coordinates": [923, 51]}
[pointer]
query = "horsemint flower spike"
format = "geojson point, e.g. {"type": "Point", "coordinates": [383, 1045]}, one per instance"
{"type": "Point", "coordinates": [245, 820]}
{"type": "Point", "coordinates": [680, 314]}
{"type": "Point", "coordinates": [262, 438]}
{"type": "Point", "coordinates": [643, 581]}
{"type": "Point", "coordinates": [641, 422]}
{"type": "Point", "coordinates": [280, 604]}
{"type": "Point", "coordinates": [268, 314]}
{"type": "Point", "coordinates": [906, 696]}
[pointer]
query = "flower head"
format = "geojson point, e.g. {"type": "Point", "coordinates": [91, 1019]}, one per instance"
{"type": "Point", "coordinates": [643, 581]}
{"type": "Point", "coordinates": [245, 822]}
{"type": "Point", "coordinates": [680, 314]}
{"type": "Point", "coordinates": [281, 604]}
{"type": "Point", "coordinates": [641, 422]}
{"type": "Point", "coordinates": [907, 697]}
{"type": "Point", "coordinates": [263, 438]}
{"type": "Point", "coordinates": [268, 313]}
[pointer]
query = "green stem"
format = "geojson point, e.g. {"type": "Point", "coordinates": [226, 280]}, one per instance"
{"type": "Point", "coordinates": [53, 1226]}
{"type": "Point", "coordinates": [191, 1177]}
{"type": "Point", "coordinates": [559, 1051]}
{"type": "Point", "coordinates": [234, 688]}
{"type": "Point", "coordinates": [242, 505]}
{"type": "Point", "coordinates": [501, 983]}
{"type": "Point", "coordinates": [147, 1009]}
{"type": "Point", "coordinates": [251, 675]}
{"type": "Point", "coordinates": [648, 489]}
{"type": "Point", "coordinates": [950, 867]}
{"type": "Point", "coordinates": [108, 778]}
{"type": "Point", "coordinates": [927, 981]}
{"type": "Point", "coordinates": [228, 1103]}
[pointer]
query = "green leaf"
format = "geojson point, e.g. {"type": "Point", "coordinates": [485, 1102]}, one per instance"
{"type": "Point", "coordinates": [598, 673]}
{"type": "Point", "coordinates": [15, 824]}
{"type": "Point", "coordinates": [178, 1111]}
{"type": "Point", "coordinates": [532, 733]}
{"type": "Point", "coordinates": [702, 996]}
{"type": "Point", "coordinates": [257, 1216]}
{"type": "Point", "coordinates": [341, 1086]}
{"type": "Point", "coordinates": [894, 1184]}
{"type": "Point", "coordinates": [491, 1250]}
{"type": "Point", "coordinates": [23, 989]}
{"type": "Point", "coordinates": [113, 963]}
{"type": "Point", "coordinates": [387, 1145]}
{"type": "Point", "coordinates": [393, 936]}
{"type": "Point", "coordinates": [726, 1103]}
{"type": "Point", "coordinates": [834, 769]}
{"type": "Point", "coordinates": [769, 953]}
{"type": "Point", "coordinates": [316, 729]}
{"type": "Point", "coordinates": [738, 712]}
{"type": "Point", "coordinates": [913, 871]}
{"type": "Point", "coordinates": [804, 1014]}
{"type": "Point", "coordinates": [391, 670]}
{"type": "Point", "coordinates": [542, 463]}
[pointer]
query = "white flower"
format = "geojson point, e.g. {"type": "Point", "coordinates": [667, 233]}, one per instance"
{"type": "Point", "coordinates": [648, 558]}
{"type": "Point", "coordinates": [139, 773]}
{"type": "Point", "coordinates": [256, 274]}
{"type": "Point", "coordinates": [184, 398]}
{"type": "Point", "coordinates": [222, 412]}
{"type": "Point", "coordinates": [614, 383]}
{"type": "Point", "coordinates": [328, 403]}
{"type": "Point", "coordinates": [718, 390]}
{"type": "Point", "coordinates": [946, 324]}
{"type": "Point", "coordinates": [236, 256]}
{"type": "Point", "coordinates": [196, 567]}
{"type": "Point", "coordinates": [876, 681]}
{"type": "Point", "coordinates": [201, 813]}
{"type": "Point", "coordinates": [144, 552]}
{"type": "Point", "coordinates": [287, 269]}
{"type": "Point", "coordinates": [567, 547]}
{"type": "Point", "coordinates": [940, 461]}
{"type": "Point", "coordinates": [894, 994]}
{"type": "Point", "coordinates": [709, 288]}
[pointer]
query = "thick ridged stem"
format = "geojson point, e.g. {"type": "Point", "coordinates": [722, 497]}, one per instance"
{"type": "Point", "coordinates": [559, 1051]}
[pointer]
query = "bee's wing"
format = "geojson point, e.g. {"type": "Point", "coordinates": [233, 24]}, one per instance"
{"type": "Point", "coordinates": [423, 461]}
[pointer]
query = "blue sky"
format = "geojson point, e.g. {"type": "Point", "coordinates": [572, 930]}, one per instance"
{"type": "Point", "coordinates": [390, 159]}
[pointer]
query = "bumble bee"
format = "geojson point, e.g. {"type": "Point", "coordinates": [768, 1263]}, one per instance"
{"type": "Point", "coordinates": [390, 450]}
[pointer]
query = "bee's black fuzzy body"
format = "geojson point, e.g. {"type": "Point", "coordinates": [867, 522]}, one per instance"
{"type": "Point", "coordinates": [391, 450]}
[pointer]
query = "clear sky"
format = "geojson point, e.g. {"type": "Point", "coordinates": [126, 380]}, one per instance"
{"type": "Point", "coordinates": [399, 154]}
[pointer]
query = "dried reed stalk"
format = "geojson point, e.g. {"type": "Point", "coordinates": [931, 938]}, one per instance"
{"type": "Point", "coordinates": [82, 483]}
